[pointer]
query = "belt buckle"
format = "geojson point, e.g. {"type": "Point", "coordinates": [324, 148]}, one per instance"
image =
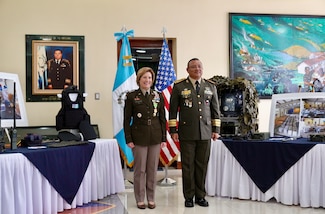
{"type": "Point", "coordinates": [149, 122]}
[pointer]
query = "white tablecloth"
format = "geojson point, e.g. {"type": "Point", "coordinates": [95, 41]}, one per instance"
{"type": "Point", "coordinates": [303, 184]}
{"type": "Point", "coordinates": [23, 189]}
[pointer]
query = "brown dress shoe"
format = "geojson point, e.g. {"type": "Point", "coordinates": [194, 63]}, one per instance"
{"type": "Point", "coordinates": [151, 205]}
{"type": "Point", "coordinates": [141, 206]}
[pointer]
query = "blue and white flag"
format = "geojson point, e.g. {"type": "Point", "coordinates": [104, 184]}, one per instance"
{"type": "Point", "coordinates": [41, 67]}
{"type": "Point", "coordinates": [125, 81]}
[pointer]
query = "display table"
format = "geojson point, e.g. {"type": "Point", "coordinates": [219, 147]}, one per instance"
{"type": "Point", "coordinates": [301, 184]}
{"type": "Point", "coordinates": [24, 189]}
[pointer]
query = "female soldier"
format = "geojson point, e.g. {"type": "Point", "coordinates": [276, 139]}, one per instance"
{"type": "Point", "coordinates": [145, 133]}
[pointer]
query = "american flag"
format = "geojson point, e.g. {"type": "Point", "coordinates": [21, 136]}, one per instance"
{"type": "Point", "coordinates": [164, 83]}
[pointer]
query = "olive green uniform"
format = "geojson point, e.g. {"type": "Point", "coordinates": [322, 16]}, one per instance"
{"type": "Point", "coordinates": [198, 117]}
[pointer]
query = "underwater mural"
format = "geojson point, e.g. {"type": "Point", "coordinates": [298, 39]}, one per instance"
{"type": "Point", "coordinates": [278, 53]}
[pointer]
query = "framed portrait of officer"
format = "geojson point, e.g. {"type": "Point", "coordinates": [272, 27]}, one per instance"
{"type": "Point", "coordinates": [52, 64]}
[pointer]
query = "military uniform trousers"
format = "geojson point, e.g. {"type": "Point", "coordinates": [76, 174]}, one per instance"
{"type": "Point", "coordinates": [146, 159]}
{"type": "Point", "coordinates": [194, 156]}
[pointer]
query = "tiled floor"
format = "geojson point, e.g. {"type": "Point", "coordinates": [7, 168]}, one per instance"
{"type": "Point", "coordinates": [169, 200]}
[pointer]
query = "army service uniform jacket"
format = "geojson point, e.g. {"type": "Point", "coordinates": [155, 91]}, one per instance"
{"type": "Point", "coordinates": [198, 113]}
{"type": "Point", "coordinates": [144, 118]}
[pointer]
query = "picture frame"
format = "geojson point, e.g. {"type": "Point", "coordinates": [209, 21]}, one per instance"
{"type": "Point", "coordinates": [9, 81]}
{"type": "Point", "coordinates": [278, 53]}
{"type": "Point", "coordinates": [297, 115]}
{"type": "Point", "coordinates": [52, 63]}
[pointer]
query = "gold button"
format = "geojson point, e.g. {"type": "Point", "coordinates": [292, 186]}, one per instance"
{"type": "Point", "coordinates": [200, 117]}
{"type": "Point", "coordinates": [198, 95]}
{"type": "Point", "coordinates": [199, 103]}
{"type": "Point", "coordinates": [200, 109]}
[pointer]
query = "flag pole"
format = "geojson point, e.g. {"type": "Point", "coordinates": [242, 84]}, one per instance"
{"type": "Point", "coordinates": [164, 31]}
{"type": "Point", "coordinates": [125, 81]}
{"type": "Point", "coordinates": [166, 181]}
{"type": "Point", "coordinates": [128, 184]}
{"type": "Point", "coordinates": [123, 29]}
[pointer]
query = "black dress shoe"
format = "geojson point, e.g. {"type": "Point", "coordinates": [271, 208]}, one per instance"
{"type": "Point", "coordinates": [202, 202]}
{"type": "Point", "coordinates": [189, 203]}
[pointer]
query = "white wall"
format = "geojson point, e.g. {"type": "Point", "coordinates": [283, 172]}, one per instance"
{"type": "Point", "coordinates": [200, 27]}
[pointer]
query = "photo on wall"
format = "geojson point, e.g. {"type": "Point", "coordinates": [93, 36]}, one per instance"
{"type": "Point", "coordinates": [53, 63]}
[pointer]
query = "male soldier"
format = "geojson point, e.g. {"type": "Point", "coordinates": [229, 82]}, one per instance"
{"type": "Point", "coordinates": [197, 102]}
{"type": "Point", "coordinates": [59, 72]}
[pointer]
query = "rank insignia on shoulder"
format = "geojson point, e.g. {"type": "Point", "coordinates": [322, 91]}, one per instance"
{"type": "Point", "coordinates": [180, 80]}
{"type": "Point", "coordinates": [210, 81]}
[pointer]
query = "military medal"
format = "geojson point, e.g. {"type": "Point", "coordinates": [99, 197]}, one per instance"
{"type": "Point", "coordinates": [155, 102]}
{"type": "Point", "coordinates": [188, 103]}
{"type": "Point", "coordinates": [186, 93]}
{"type": "Point", "coordinates": [207, 91]}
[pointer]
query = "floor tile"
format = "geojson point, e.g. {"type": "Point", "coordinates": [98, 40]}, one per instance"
{"type": "Point", "coordinates": [169, 200]}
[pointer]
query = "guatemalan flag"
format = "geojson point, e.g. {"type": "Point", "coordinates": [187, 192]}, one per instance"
{"type": "Point", "coordinates": [41, 67]}
{"type": "Point", "coordinates": [165, 78]}
{"type": "Point", "coordinates": [125, 81]}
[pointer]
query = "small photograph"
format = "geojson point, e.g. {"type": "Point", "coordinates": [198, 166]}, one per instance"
{"type": "Point", "coordinates": [312, 117]}
{"type": "Point", "coordinates": [54, 67]}
{"type": "Point", "coordinates": [286, 120]}
{"type": "Point", "coordinates": [7, 100]}
{"type": "Point", "coordinates": [12, 105]}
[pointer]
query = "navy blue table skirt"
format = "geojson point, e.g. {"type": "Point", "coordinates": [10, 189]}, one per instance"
{"type": "Point", "coordinates": [63, 167]}
{"type": "Point", "coordinates": [266, 161]}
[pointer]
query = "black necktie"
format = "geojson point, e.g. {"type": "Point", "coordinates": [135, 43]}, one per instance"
{"type": "Point", "coordinates": [197, 88]}
{"type": "Point", "coordinates": [147, 95]}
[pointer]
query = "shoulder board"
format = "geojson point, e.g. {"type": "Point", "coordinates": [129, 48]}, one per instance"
{"type": "Point", "coordinates": [210, 81]}
{"type": "Point", "coordinates": [180, 80]}
{"type": "Point", "coordinates": [66, 61]}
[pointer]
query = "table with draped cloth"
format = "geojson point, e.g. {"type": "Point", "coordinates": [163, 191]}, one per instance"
{"type": "Point", "coordinates": [50, 180]}
{"type": "Point", "coordinates": [292, 172]}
